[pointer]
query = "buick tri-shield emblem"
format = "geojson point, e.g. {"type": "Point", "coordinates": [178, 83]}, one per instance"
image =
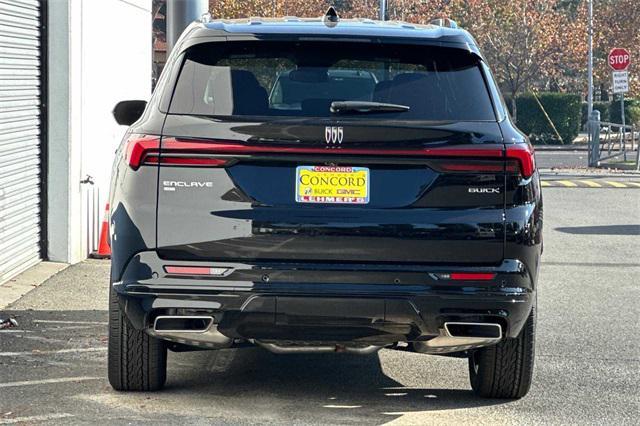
{"type": "Point", "coordinates": [333, 135]}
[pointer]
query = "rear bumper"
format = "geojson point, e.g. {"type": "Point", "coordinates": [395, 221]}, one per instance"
{"type": "Point", "coordinates": [351, 304]}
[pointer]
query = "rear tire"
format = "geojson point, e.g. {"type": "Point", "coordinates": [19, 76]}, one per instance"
{"type": "Point", "coordinates": [137, 361]}
{"type": "Point", "coordinates": [505, 370]}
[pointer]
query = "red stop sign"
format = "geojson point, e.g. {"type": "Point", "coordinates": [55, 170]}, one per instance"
{"type": "Point", "coordinates": [619, 59]}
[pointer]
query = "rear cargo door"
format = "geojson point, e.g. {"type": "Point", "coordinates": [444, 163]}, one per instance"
{"type": "Point", "coordinates": [258, 164]}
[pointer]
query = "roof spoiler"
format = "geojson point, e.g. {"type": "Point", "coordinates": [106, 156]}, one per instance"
{"type": "Point", "coordinates": [444, 22]}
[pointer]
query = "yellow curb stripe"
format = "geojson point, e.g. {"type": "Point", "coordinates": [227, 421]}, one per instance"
{"type": "Point", "coordinates": [633, 184]}
{"type": "Point", "coordinates": [591, 183]}
{"type": "Point", "coordinates": [616, 184]}
{"type": "Point", "coordinates": [545, 183]}
{"type": "Point", "coordinates": [567, 183]}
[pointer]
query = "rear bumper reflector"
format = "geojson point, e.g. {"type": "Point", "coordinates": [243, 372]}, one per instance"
{"type": "Point", "coordinates": [471, 276]}
{"type": "Point", "coordinates": [465, 276]}
{"type": "Point", "coordinates": [197, 270]}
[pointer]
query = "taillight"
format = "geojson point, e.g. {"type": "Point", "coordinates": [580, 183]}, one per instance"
{"type": "Point", "coordinates": [522, 154]}
{"type": "Point", "coordinates": [145, 150]}
{"type": "Point", "coordinates": [519, 159]}
{"type": "Point", "coordinates": [235, 148]}
{"type": "Point", "coordinates": [186, 160]}
{"type": "Point", "coordinates": [139, 147]}
{"type": "Point", "coordinates": [468, 166]}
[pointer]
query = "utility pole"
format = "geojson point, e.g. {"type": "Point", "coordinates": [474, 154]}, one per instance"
{"type": "Point", "coordinates": [590, 60]}
{"type": "Point", "coordinates": [383, 9]}
{"type": "Point", "coordinates": [180, 13]}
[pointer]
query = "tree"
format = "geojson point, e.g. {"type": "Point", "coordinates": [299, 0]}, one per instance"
{"type": "Point", "coordinates": [521, 40]}
{"type": "Point", "coordinates": [530, 44]}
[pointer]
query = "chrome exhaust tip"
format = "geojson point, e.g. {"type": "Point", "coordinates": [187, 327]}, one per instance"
{"type": "Point", "coordinates": [182, 324]}
{"type": "Point", "coordinates": [190, 330]}
{"type": "Point", "coordinates": [461, 336]}
{"type": "Point", "coordinates": [473, 329]}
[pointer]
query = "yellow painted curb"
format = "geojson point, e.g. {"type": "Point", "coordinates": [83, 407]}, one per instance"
{"type": "Point", "coordinates": [591, 183]}
{"type": "Point", "coordinates": [616, 184]}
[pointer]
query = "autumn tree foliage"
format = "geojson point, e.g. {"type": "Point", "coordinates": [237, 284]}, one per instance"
{"type": "Point", "coordinates": [530, 44]}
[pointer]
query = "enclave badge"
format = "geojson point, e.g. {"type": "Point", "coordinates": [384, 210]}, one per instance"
{"type": "Point", "coordinates": [333, 135]}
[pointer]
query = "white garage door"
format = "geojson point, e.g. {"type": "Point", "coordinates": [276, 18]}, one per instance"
{"type": "Point", "coordinates": [20, 101]}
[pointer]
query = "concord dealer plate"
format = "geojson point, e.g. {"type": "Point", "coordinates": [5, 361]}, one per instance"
{"type": "Point", "coordinates": [332, 184]}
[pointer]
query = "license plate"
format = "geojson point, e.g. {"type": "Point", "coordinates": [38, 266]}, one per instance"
{"type": "Point", "coordinates": [332, 185]}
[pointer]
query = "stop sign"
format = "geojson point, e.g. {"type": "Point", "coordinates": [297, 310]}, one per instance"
{"type": "Point", "coordinates": [619, 59]}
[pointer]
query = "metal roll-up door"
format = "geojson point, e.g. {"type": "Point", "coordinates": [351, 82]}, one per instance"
{"type": "Point", "coordinates": [20, 135]}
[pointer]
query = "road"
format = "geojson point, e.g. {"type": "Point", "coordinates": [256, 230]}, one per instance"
{"type": "Point", "coordinates": [52, 368]}
{"type": "Point", "coordinates": [561, 159]}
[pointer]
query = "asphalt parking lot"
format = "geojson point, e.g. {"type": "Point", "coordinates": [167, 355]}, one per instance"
{"type": "Point", "coordinates": [52, 367]}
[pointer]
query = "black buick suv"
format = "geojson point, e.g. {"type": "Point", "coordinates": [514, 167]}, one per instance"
{"type": "Point", "coordinates": [324, 185]}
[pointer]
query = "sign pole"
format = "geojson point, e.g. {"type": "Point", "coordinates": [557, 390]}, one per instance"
{"type": "Point", "coordinates": [590, 61]}
{"type": "Point", "coordinates": [623, 130]}
{"type": "Point", "coordinates": [619, 60]}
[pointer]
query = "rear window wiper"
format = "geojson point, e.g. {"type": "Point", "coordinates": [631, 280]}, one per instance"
{"type": "Point", "coordinates": [365, 107]}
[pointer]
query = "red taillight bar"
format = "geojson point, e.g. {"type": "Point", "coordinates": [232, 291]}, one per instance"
{"type": "Point", "coordinates": [523, 153]}
{"type": "Point", "coordinates": [229, 147]}
{"type": "Point", "coordinates": [142, 149]}
{"type": "Point", "coordinates": [473, 167]}
{"type": "Point", "coordinates": [186, 161]}
{"type": "Point", "coordinates": [138, 147]}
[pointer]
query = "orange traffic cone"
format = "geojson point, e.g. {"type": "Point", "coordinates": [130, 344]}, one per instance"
{"type": "Point", "coordinates": [104, 250]}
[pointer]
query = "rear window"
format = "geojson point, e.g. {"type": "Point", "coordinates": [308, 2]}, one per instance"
{"type": "Point", "coordinates": [280, 79]}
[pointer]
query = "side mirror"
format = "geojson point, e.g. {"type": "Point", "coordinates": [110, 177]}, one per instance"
{"type": "Point", "coordinates": [128, 112]}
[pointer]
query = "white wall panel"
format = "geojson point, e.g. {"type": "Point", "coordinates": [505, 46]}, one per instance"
{"type": "Point", "coordinates": [20, 139]}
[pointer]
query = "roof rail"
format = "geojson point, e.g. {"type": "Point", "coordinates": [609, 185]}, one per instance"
{"type": "Point", "coordinates": [444, 22]}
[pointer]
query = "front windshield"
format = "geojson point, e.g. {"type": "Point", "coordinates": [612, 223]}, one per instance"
{"type": "Point", "coordinates": [302, 79]}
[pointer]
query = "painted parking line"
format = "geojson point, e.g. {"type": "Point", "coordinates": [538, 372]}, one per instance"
{"type": "Point", "coordinates": [589, 183]}
{"type": "Point", "coordinates": [47, 381]}
{"type": "Point", "coordinates": [33, 419]}
{"type": "Point", "coordinates": [60, 351]}
{"type": "Point", "coordinates": [70, 322]}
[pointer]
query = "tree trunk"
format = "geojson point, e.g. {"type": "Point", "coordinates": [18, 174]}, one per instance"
{"type": "Point", "coordinates": [514, 108]}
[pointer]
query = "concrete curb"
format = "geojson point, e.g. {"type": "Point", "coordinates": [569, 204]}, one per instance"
{"type": "Point", "coordinates": [560, 173]}
{"type": "Point", "coordinates": [556, 148]}
{"type": "Point", "coordinates": [33, 277]}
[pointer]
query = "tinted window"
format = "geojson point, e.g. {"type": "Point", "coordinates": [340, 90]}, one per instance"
{"type": "Point", "coordinates": [302, 79]}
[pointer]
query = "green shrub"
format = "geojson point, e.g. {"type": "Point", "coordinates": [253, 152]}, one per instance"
{"type": "Point", "coordinates": [603, 107]}
{"type": "Point", "coordinates": [631, 112]}
{"type": "Point", "coordinates": [564, 109]}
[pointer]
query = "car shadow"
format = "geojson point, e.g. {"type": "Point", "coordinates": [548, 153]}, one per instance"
{"type": "Point", "coordinates": [329, 387]}
{"type": "Point", "coordinates": [601, 230]}
{"type": "Point", "coordinates": [235, 384]}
